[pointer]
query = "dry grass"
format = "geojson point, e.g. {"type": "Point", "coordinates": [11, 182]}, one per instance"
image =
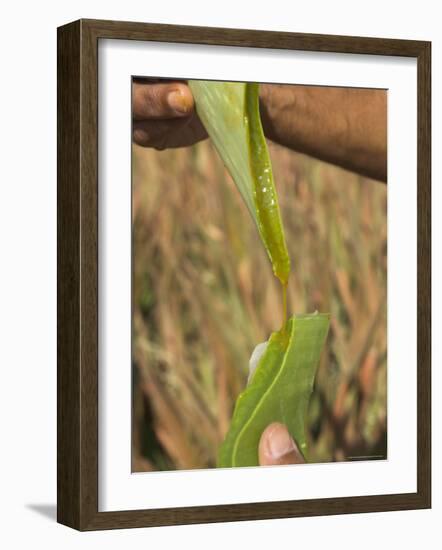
{"type": "Point", "coordinates": [204, 296]}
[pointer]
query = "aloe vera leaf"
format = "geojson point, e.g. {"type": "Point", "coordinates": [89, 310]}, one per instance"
{"type": "Point", "coordinates": [230, 114]}
{"type": "Point", "coordinates": [265, 197]}
{"type": "Point", "coordinates": [279, 390]}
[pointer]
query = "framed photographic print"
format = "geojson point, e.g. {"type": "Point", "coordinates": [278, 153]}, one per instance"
{"type": "Point", "coordinates": [243, 275]}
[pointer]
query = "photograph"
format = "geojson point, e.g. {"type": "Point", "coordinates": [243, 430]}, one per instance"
{"type": "Point", "coordinates": [259, 274]}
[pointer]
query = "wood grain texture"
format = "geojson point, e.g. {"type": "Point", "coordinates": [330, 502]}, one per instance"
{"type": "Point", "coordinates": [424, 274]}
{"type": "Point", "coordinates": [68, 276]}
{"type": "Point", "coordinates": [77, 279]}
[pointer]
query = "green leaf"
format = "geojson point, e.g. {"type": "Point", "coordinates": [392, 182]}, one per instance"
{"type": "Point", "coordinates": [279, 390]}
{"type": "Point", "coordinates": [230, 114]}
{"type": "Point", "coordinates": [281, 386]}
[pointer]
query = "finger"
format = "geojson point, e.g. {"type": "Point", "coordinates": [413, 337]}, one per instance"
{"type": "Point", "coordinates": [152, 133]}
{"type": "Point", "coordinates": [257, 353]}
{"type": "Point", "coordinates": [161, 100]}
{"type": "Point", "coordinates": [277, 447]}
{"type": "Point", "coordinates": [161, 134]}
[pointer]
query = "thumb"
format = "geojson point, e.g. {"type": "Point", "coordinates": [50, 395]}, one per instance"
{"type": "Point", "coordinates": [277, 447]}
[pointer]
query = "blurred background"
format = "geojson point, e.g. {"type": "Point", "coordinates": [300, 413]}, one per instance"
{"type": "Point", "coordinates": [204, 295]}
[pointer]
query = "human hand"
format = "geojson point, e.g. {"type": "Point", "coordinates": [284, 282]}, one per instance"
{"type": "Point", "coordinates": [164, 115]}
{"type": "Point", "coordinates": [277, 447]}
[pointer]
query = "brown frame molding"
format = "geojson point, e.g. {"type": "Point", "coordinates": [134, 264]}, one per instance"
{"type": "Point", "coordinates": [77, 279]}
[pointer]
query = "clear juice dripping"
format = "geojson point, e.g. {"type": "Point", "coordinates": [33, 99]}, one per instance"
{"type": "Point", "coordinates": [284, 305]}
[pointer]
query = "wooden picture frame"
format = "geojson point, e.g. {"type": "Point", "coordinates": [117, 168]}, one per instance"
{"type": "Point", "coordinates": [77, 460]}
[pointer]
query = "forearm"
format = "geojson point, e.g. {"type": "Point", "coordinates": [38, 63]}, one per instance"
{"type": "Point", "coordinates": [344, 126]}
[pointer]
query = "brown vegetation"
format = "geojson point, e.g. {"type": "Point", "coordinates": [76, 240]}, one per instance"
{"type": "Point", "coordinates": [204, 296]}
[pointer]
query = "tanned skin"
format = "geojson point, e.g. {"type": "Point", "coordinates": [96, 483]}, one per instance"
{"type": "Point", "coordinates": [343, 126]}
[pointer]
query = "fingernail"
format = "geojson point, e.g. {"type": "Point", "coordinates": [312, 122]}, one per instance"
{"type": "Point", "coordinates": [257, 353]}
{"type": "Point", "coordinates": [280, 443]}
{"type": "Point", "coordinates": [177, 101]}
